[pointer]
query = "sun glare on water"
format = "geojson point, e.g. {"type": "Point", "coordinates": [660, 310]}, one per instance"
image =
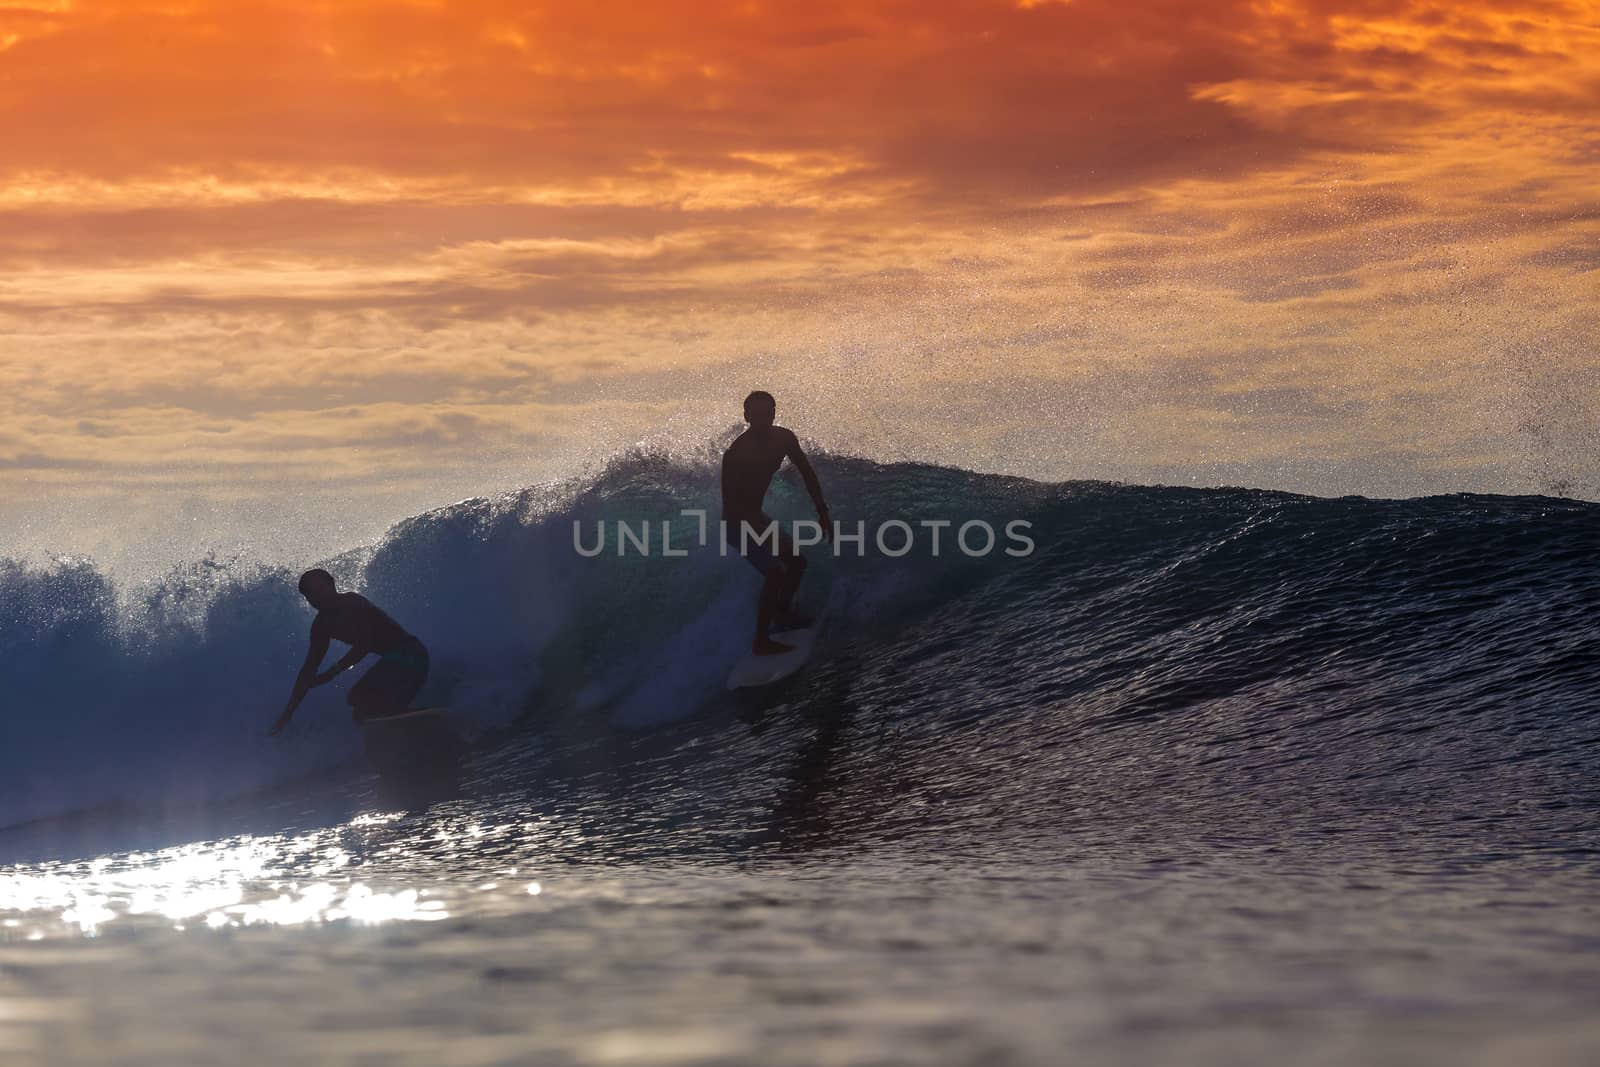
{"type": "Point", "coordinates": [241, 881]}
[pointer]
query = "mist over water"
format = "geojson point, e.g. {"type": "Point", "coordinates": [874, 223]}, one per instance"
{"type": "Point", "coordinates": [950, 369]}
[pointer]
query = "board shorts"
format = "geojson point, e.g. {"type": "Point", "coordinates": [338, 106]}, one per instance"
{"type": "Point", "coordinates": [760, 556]}
{"type": "Point", "coordinates": [390, 686]}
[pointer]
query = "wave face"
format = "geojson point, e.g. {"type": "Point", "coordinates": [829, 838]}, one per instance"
{"type": "Point", "coordinates": [1240, 651]}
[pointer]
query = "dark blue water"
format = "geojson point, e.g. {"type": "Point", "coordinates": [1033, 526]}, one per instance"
{"type": "Point", "coordinates": [1211, 775]}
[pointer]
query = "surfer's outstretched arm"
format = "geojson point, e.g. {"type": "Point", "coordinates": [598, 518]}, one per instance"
{"type": "Point", "coordinates": [797, 456]}
{"type": "Point", "coordinates": [307, 677]}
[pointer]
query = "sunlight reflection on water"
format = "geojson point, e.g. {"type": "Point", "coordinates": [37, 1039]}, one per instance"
{"type": "Point", "coordinates": [241, 881]}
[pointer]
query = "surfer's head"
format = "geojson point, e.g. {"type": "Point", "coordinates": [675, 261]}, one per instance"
{"type": "Point", "coordinates": [760, 409]}
{"type": "Point", "coordinates": [316, 585]}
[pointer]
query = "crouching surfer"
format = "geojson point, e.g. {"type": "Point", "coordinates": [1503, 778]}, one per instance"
{"type": "Point", "coordinates": [386, 689]}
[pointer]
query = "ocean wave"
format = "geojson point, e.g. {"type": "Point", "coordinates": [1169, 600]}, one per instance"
{"type": "Point", "coordinates": [1234, 625]}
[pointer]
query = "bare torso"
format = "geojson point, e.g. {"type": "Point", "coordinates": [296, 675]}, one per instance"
{"type": "Point", "coordinates": [359, 623]}
{"type": "Point", "coordinates": [747, 469]}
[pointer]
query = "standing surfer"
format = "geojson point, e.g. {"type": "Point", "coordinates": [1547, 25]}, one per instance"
{"type": "Point", "coordinates": [747, 469]}
{"type": "Point", "coordinates": [402, 664]}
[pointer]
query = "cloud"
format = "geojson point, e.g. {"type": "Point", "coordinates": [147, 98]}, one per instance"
{"type": "Point", "coordinates": [960, 97]}
{"type": "Point", "coordinates": [1579, 258]}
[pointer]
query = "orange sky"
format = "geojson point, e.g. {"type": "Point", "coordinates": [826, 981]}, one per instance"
{"type": "Point", "coordinates": [368, 257]}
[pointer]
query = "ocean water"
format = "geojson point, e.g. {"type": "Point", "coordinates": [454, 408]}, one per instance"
{"type": "Point", "coordinates": [1212, 776]}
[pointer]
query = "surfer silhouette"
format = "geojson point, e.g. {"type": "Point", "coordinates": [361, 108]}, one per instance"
{"type": "Point", "coordinates": [390, 685]}
{"type": "Point", "coordinates": [747, 469]}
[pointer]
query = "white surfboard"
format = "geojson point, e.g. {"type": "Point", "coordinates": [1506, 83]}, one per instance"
{"type": "Point", "coordinates": [756, 670]}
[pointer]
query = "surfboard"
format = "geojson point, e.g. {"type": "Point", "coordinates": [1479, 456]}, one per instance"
{"type": "Point", "coordinates": [419, 749]}
{"type": "Point", "coordinates": [756, 670]}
